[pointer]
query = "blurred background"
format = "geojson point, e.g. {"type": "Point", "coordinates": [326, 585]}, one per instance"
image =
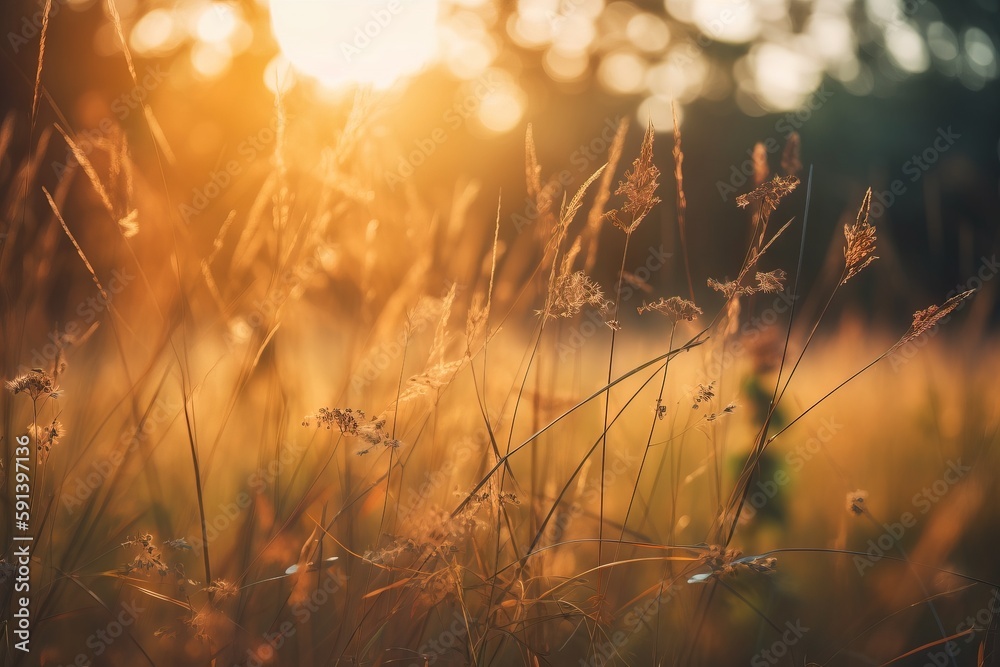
{"type": "Point", "coordinates": [870, 86]}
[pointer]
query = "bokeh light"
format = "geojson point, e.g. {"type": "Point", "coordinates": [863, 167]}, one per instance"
{"type": "Point", "coordinates": [372, 42]}
{"type": "Point", "coordinates": [502, 108]}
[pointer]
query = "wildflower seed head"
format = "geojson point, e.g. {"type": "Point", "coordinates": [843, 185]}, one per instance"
{"type": "Point", "coordinates": [729, 288]}
{"type": "Point", "coordinates": [675, 308]}
{"type": "Point", "coordinates": [148, 557]}
{"type": "Point", "coordinates": [223, 589]}
{"type": "Point", "coordinates": [571, 292]}
{"type": "Point", "coordinates": [35, 382]}
{"type": "Point", "coordinates": [770, 282]}
{"type": "Point", "coordinates": [703, 394]}
{"type": "Point", "coordinates": [46, 437]}
{"type": "Point", "coordinates": [353, 423]}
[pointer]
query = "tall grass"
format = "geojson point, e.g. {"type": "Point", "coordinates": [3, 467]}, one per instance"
{"type": "Point", "coordinates": [340, 427]}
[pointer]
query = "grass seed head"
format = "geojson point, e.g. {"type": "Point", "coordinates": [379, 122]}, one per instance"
{"type": "Point", "coordinates": [760, 168]}
{"type": "Point", "coordinates": [859, 251]}
{"type": "Point", "coordinates": [927, 319]}
{"type": "Point", "coordinates": [791, 164]}
{"type": "Point", "coordinates": [857, 502]}
{"type": "Point", "coordinates": [638, 188]}
{"type": "Point", "coordinates": [769, 194]}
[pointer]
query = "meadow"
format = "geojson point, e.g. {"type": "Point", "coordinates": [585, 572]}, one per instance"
{"type": "Point", "coordinates": [348, 424]}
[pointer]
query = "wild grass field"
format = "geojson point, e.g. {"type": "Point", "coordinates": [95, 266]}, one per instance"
{"type": "Point", "coordinates": [342, 425]}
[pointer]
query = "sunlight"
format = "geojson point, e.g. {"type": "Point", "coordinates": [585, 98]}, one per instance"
{"type": "Point", "coordinates": [358, 42]}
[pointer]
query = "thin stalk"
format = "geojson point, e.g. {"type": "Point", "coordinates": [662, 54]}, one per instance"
{"type": "Point", "coordinates": [201, 503]}
{"type": "Point", "coordinates": [649, 441]}
{"type": "Point", "coordinates": [607, 404]}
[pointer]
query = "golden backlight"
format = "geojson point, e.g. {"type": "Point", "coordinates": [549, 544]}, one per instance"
{"type": "Point", "coordinates": [368, 42]}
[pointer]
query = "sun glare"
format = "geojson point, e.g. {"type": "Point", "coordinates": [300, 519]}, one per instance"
{"type": "Point", "coordinates": [344, 42]}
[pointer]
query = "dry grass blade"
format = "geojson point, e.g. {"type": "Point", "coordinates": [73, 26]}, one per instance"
{"type": "Point", "coordinates": [116, 20]}
{"type": "Point", "coordinates": [89, 170]}
{"type": "Point", "coordinates": [362, 111]}
{"type": "Point", "coordinates": [158, 135]}
{"type": "Point", "coordinates": [36, 94]}
{"type": "Point", "coordinates": [532, 170]}
{"type": "Point", "coordinates": [154, 126]}
{"type": "Point", "coordinates": [570, 210]}
{"type": "Point", "coordinates": [441, 337]}
{"type": "Point", "coordinates": [922, 649]}
{"type": "Point", "coordinates": [603, 194]}
{"type": "Point", "coordinates": [6, 133]}
{"type": "Point", "coordinates": [79, 250]}
{"type": "Point", "coordinates": [681, 198]}
{"type": "Point", "coordinates": [989, 649]}
{"type": "Point", "coordinates": [126, 217]}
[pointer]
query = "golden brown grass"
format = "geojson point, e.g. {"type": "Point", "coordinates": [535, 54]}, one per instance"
{"type": "Point", "coordinates": [498, 463]}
